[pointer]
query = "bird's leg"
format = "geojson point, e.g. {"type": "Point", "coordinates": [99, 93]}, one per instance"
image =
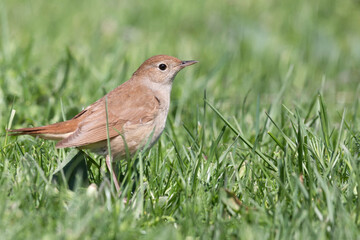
{"type": "Point", "coordinates": [110, 165]}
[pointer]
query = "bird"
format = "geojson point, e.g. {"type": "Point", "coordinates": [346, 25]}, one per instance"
{"type": "Point", "coordinates": [131, 117]}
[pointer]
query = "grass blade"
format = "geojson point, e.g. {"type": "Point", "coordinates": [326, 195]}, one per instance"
{"type": "Point", "coordinates": [244, 140]}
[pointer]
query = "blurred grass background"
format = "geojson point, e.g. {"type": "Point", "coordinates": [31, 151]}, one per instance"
{"type": "Point", "coordinates": [254, 57]}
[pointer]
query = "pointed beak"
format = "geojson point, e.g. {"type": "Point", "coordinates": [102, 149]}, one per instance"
{"type": "Point", "coordinates": [187, 63]}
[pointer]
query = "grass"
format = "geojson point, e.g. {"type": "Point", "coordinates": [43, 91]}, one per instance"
{"type": "Point", "coordinates": [262, 139]}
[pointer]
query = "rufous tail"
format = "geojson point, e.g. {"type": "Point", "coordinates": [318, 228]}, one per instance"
{"type": "Point", "coordinates": [56, 131]}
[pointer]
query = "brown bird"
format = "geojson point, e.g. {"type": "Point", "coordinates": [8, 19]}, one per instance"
{"type": "Point", "coordinates": [136, 112]}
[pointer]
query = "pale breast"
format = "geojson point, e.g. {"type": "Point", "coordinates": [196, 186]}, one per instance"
{"type": "Point", "coordinates": [159, 123]}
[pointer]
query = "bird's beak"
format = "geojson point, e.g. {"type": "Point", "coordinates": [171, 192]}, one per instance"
{"type": "Point", "coordinates": [187, 63]}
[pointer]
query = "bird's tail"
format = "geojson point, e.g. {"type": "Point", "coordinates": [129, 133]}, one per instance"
{"type": "Point", "coordinates": [56, 131]}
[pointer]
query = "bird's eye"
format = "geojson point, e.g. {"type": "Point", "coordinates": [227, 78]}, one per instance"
{"type": "Point", "coordinates": [162, 66]}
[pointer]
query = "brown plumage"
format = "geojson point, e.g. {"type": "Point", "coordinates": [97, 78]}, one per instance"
{"type": "Point", "coordinates": [137, 112]}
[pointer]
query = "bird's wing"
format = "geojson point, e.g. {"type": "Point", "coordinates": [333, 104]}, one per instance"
{"type": "Point", "coordinates": [122, 108]}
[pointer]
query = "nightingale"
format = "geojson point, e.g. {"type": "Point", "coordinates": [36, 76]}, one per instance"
{"type": "Point", "coordinates": [131, 117]}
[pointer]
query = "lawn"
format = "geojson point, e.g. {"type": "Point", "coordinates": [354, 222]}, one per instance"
{"type": "Point", "coordinates": [262, 139]}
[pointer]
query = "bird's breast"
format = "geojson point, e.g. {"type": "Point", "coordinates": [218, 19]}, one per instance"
{"type": "Point", "coordinates": [159, 123]}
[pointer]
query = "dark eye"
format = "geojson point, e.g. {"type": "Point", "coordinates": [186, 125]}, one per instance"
{"type": "Point", "coordinates": [162, 66]}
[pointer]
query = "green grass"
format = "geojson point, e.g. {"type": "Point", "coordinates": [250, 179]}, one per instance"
{"type": "Point", "coordinates": [262, 139]}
